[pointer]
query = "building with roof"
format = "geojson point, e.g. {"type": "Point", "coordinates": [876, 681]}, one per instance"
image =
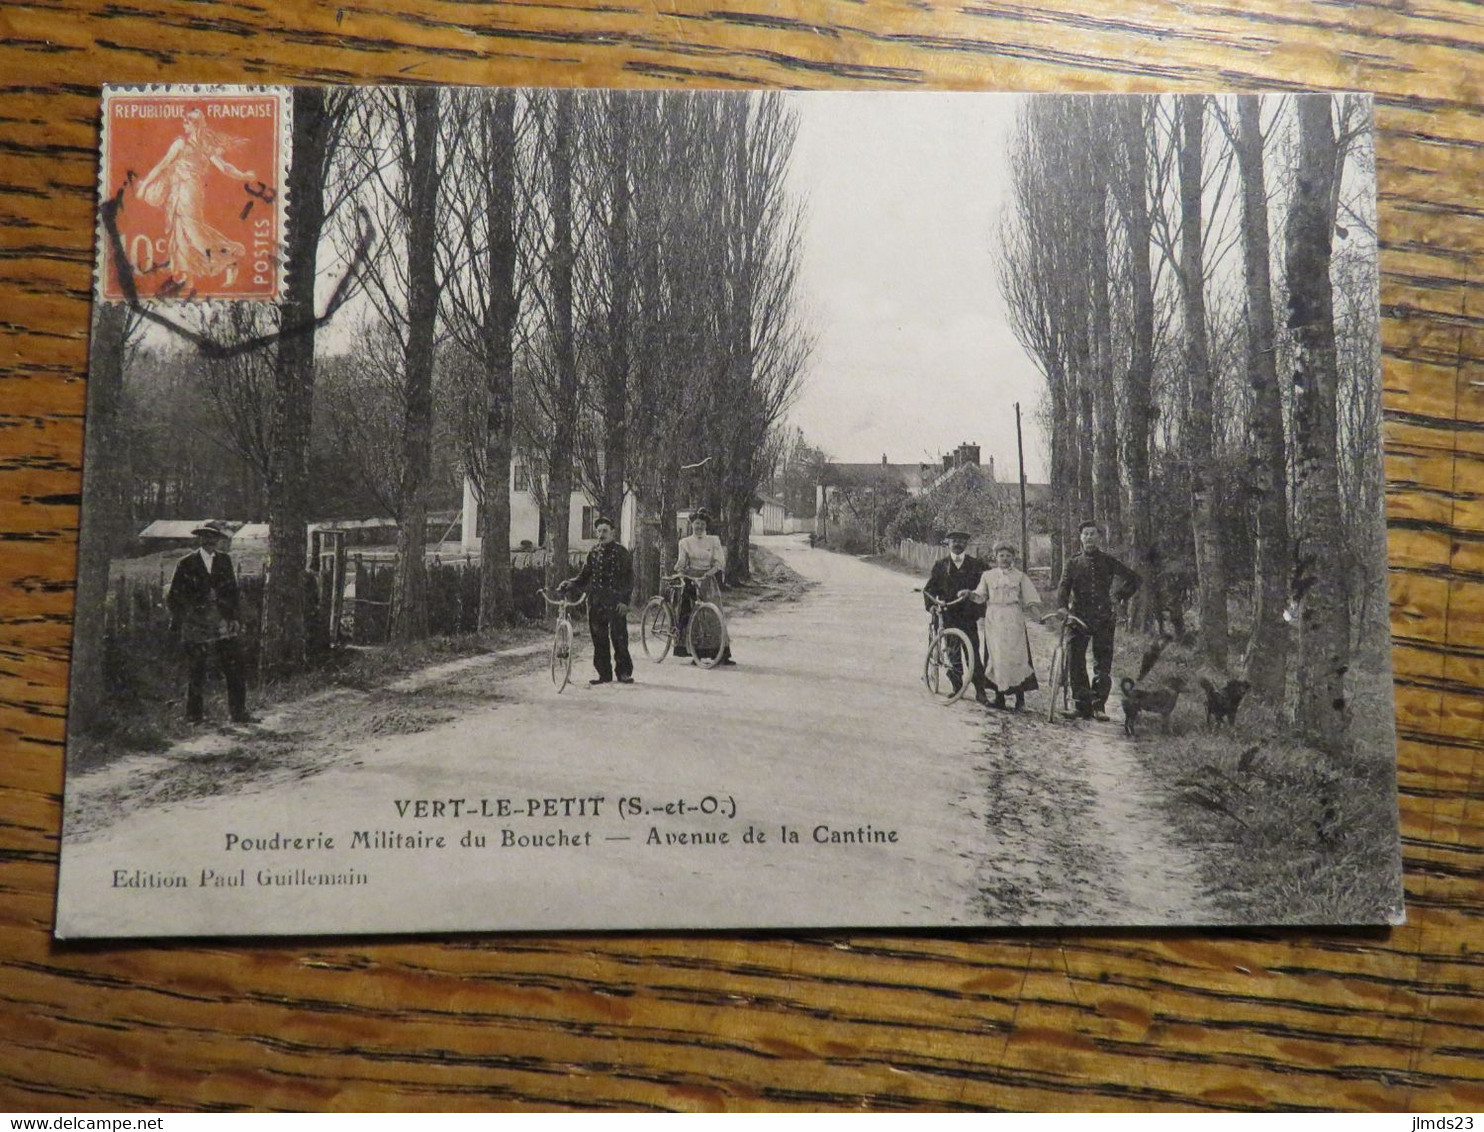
{"type": "Point", "coordinates": [162, 534]}
{"type": "Point", "coordinates": [528, 518]}
{"type": "Point", "coordinates": [844, 490]}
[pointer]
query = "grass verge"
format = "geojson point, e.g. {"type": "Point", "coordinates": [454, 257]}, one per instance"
{"type": "Point", "coordinates": [1286, 833]}
{"type": "Point", "coordinates": [152, 717]}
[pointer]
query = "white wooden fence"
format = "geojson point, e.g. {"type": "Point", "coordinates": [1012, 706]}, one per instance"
{"type": "Point", "coordinates": [922, 555]}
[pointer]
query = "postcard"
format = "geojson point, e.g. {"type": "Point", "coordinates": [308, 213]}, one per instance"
{"type": "Point", "coordinates": [523, 509]}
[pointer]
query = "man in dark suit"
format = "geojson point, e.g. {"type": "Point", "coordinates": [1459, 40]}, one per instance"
{"type": "Point", "coordinates": [607, 578]}
{"type": "Point", "coordinates": [1092, 583]}
{"type": "Point", "coordinates": [204, 615]}
{"type": "Point", "coordinates": [955, 576]}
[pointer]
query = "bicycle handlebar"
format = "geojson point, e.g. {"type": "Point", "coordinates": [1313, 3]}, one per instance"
{"type": "Point", "coordinates": [939, 602]}
{"type": "Point", "coordinates": [1072, 618]}
{"type": "Point", "coordinates": [561, 602]}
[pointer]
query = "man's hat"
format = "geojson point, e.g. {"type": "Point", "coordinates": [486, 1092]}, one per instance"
{"type": "Point", "coordinates": [701, 513]}
{"type": "Point", "coordinates": [603, 520]}
{"type": "Point", "coordinates": [951, 535]}
{"type": "Point", "coordinates": [212, 528]}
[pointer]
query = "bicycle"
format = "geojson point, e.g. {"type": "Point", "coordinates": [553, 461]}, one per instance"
{"type": "Point", "coordinates": [942, 644]}
{"type": "Point", "coordinates": [1060, 672]}
{"type": "Point", "coordinates": [561, 638]}
{"type": "Point", "coordinates": [659, 624]}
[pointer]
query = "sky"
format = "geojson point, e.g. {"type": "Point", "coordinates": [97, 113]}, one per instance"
{"type": "Point", "coordinates": [914, 354]}
{"type": "Point", "coordinates": [903, 195]}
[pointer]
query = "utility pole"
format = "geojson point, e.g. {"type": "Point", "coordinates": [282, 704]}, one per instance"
{"type": "Point", "coordinates": [1025, 539]}
{"type": "Point", "coordinates": [1020, 453]}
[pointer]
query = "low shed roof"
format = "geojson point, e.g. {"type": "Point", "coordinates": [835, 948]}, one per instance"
{"type": "Point", "coordinates": [175, 528]}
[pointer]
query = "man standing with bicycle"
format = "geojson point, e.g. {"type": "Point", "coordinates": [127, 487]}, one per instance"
{"type": "Point", "coordinates": [607, 578]}
{"type": "Point", "coordinates": [954, 577]}
{"type": "Point", "coordinates": [1091, 584]}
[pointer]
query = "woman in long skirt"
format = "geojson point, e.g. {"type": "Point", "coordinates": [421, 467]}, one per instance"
{"type": "Point", "coordinates": [1008, 597]}
{"type": "Point", "coordinates": [701, 558]}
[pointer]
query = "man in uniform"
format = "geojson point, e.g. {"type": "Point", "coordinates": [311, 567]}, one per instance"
{"type": "Point", "coordinates": [607, 578]}
{"type": "Point", "coordinates": [204, 615]}
{"type": "Point", "coordinates": [955, 576]}
{"type": "Point", "coordinates": [1091, 584]}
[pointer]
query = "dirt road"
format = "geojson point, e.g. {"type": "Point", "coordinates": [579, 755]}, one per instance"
{"type": "Point", "coordinates": [814, 784]}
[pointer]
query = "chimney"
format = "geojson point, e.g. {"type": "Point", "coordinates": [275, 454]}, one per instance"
{"type": "Point", "coordinates": [968, 453]}
{"type": "Point", "coordinates": [948, 461]}
{"type": "Point", "coordinates": [883, 459]}
{"type": "Point", "coordinates": [991, 470]}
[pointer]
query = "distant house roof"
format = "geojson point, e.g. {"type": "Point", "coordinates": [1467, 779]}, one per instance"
{"type": "Point", "coordinates": [958, 471]}
{"type": "Point", "coordinates": [1007, 492]}
{"type": "Point", "coordinates": [177, 528]}
{"type": "Point", "coordinates": [910, 476]}
{"type": "Point", "coordinates": [352, 524]}
{"type": "Point", "coordinates": [251, 532]}
{"type": "Point", "coordinates": [378, 523]}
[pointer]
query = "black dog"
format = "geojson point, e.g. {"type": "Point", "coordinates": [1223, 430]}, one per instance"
{"type": "Point", "coordinates": [1222, 703]}
{"type": "Point", "coordinates": [1130, 704]}
{"type": "Point", "coordinates": [1152, 701]}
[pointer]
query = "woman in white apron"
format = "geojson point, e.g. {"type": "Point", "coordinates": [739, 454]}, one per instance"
{"type": "Point", "coordinates": [1008, 597]}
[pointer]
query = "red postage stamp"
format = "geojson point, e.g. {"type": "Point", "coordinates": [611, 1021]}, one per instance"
{"type": "Point", "coordinates": [195, 177]}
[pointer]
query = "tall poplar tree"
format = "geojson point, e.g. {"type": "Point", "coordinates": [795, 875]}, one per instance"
{"type": "Point", "coordinates": [1319, 584]}
{"type": "Point", "coordinates": [1210, 568]}
{"type": "Point", "coordinates": [410, 599]}
{"type": "Point", "coordinates": [1266, 662]}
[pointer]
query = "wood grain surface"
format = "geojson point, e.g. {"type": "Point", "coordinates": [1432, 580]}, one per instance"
{"type": "Point", "coordinates": [1045, 1020]}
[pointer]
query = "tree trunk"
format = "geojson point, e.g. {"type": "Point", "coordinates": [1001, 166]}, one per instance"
{"type": "Point", "coordinates": [410, 600]}
{"type": "Point", "coordinates": [1321, 713]}
{"type": "Point", "coordinates": [1267, 651]}
{"type": "Point", "coordinates": [101, 487]}
{"type": "Point", "coordinates": [559, 470]}
{"type": "Point", "coordinates": [1071, 454]}
{"type": "Point", "coordinates": [1063, 471]}
{"type": "Point", "coordinates": [741, 250]}
{"type": "Point", "coordinates": [1084, 434]}
{"type": "Point", "coordinates": [1210, 568]}
{"type": "Point", "coordinates": [1058, 505]}
{"type": "Point", "coordinates": [1108, 506]}
{"type": "Point", "coordinates": [739, 539]}
{"type": "Point", "coordinates": [669, 516]}
{"type": "Point", "coordinates": [616, 379]}
{"type": "Point", "coordinates": [1138, 382]}
{"type": "Point", "coordinates": [283, 639]}
{"type": "Point", "coordinates": [496, 600]}
{"type": "Point", "coordinates": [643, 544]}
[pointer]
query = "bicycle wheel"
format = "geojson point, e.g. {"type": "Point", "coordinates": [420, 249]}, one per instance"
{"type": "Point", "coordinates": [707, 634]}
{"type": "Point", "coordinates": [561, 655]}
{"type": "Point", "coordinates": [1057, 677]}
{"type": "Point", "coordinates": [937, 668]}
{"type": "Point", "coordinates": [657, 629]}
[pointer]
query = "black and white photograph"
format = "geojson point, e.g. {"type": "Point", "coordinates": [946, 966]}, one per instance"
{"type": "Point", "coordinates": [551, 509]}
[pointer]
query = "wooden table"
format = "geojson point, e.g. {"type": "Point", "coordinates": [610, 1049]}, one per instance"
{"type": "Point", "coordinates": [1324, 1019]}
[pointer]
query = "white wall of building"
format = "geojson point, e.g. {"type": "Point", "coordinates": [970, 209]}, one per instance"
{"type": "Point", "coordinates": [771, 520]}
{"type": "Point", "coordinates": [525, 515]}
